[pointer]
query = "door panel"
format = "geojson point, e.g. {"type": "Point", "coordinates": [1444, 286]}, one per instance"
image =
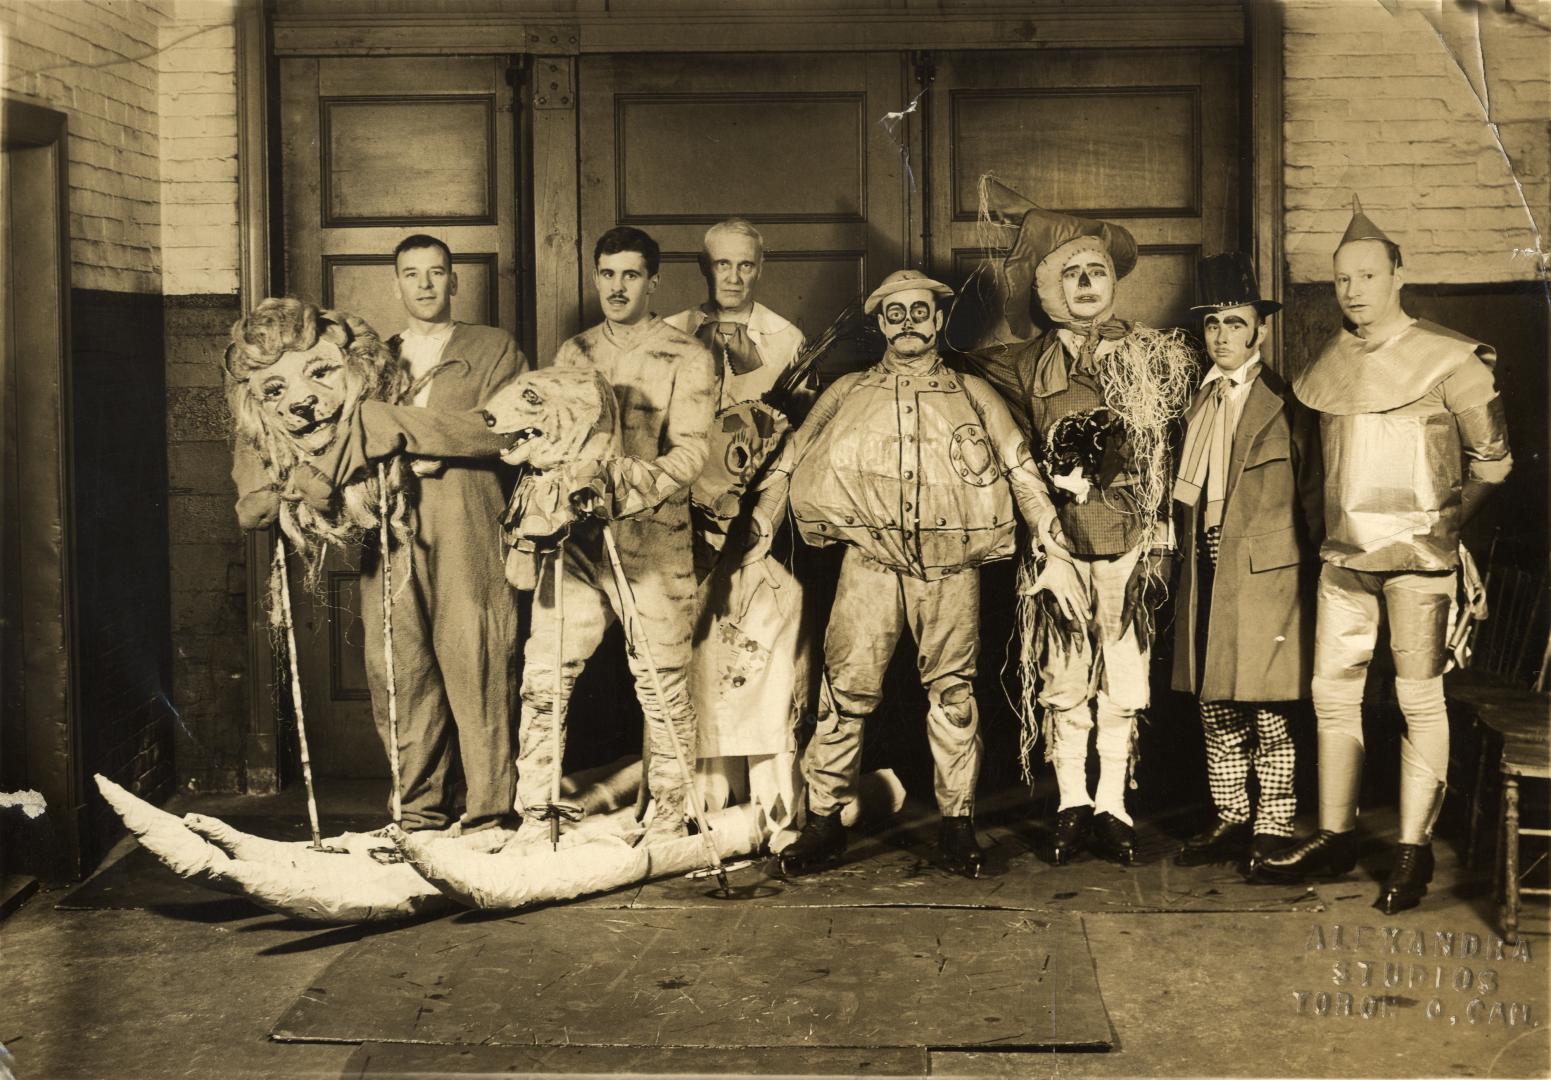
{"type": "Point", "coordinates": [1147, 139]}
{"type": "Point", "coordinates": [374, 149]}
{"type": "Point", "coordinates": [673, 144]}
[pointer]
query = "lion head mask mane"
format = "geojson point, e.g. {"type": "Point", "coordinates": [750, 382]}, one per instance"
{"type": "Point", "coordinates": [294, 374]}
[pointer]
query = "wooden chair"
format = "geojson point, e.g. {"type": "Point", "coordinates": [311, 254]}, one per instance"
{"type": "Point", "coordinates": [1504, 691]}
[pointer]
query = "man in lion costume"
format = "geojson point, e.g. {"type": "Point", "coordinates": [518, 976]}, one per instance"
{"type": "Point", "coordinates": [297, 379]}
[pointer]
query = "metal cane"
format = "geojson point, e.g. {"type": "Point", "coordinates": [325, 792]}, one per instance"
{"type": "Point", "coordinates": [639, 634]}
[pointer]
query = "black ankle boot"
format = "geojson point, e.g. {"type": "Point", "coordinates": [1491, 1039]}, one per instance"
{"type": "Point", "coordinates": [1114, 839]}
{"type": "Point", "coordinates": [1326, 854]}
{"type": "Point", "coordinates": [1072, 827]}
{"type": "Point", "coordinates": [1224, 841]}
{"type": "Point", "coordinates": [819, 845]}
{"type": "Point", "coordinates": [1408, 878]}
{"type": "Point", "coordinates": [960, 849]}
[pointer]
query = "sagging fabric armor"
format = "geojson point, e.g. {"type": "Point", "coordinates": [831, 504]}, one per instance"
{"type": "Point", "coordinates": [909, 476]}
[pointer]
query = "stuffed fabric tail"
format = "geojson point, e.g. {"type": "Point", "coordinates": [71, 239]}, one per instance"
{"type": "Point", "coordinates": [164, 835]}
{"type": "Point", "coordinates": [588, 861]}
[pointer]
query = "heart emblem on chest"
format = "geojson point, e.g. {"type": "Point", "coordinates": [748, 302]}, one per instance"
{"type": "Point", "coordinates": [972, 455]}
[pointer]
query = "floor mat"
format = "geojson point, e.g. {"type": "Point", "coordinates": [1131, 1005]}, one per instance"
{"type": "Point", "coordinates": [398, 1061]}
{"type": "Point", "coordinates": [139, 880]}
{"type": "Point", "coordinates": [737, 975]}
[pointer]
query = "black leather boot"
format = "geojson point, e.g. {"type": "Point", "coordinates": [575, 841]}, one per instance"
{"type": "Point", "coordinates": [960, 849]}
{"type": "Point", "coordinates": [1326, 854]}
{"type": "Point", "coordinates": [819, 845]}
{"type": "Point", "coordinates": [1072, 827]}
{"type": "Point", "coordinates": [1225, 841]}
{"type": "Point", "coordinates": [1408, 878]}
{"type": "Point", "coordinates": [1263, 845]}
{"type": "Point", "coordinates": [1114, 839]}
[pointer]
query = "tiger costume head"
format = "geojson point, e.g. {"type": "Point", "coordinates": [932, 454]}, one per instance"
{"type": "Point", "coordinates": [558, 416]}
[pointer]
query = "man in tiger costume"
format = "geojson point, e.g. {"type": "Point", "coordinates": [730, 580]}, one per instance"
{"type": "Point", "coordinates": [666, 391]}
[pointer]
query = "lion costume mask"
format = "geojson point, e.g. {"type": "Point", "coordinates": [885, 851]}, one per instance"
{"type": "Point", "coordinates": [294, 375]}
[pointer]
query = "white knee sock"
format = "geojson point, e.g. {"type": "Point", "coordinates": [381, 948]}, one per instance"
{"type": "Point", "coordinates": [1338, 705]}
{"type": "Point", "coordinates": [1116, 727]}
{"type": "Point", "coordinates": [1069, 733]}
{"type": "Point", "coordinates": [1424, 756]}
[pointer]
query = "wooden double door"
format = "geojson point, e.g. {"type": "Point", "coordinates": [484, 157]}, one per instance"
{"type": "Point", "coordinates": [852, 165]}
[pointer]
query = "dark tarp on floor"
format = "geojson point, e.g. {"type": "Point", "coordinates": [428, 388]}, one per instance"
{"type": "Point", "coordinates": [731, 975]}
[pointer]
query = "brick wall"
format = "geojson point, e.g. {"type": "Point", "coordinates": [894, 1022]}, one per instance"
{"type": "Point", "coordinates": [96, 61]}
{"type": "Point", "coordinates": [1400, 108]}
{"type": "Point", "coordinates": [197, 103]}
{"type": "Point", "coordinates": [200, 244]}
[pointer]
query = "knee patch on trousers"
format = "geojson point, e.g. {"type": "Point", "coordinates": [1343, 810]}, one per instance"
{"type": "Point", "coordinates": [954, 702]}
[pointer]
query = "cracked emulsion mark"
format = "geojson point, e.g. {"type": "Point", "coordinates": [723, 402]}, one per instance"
{"type": "Point", "coordinates": [1483, 99]}
{"type": "Point", "coordinates": [29, 802]}
{"type": "Point", "coordinates": [891, 122]}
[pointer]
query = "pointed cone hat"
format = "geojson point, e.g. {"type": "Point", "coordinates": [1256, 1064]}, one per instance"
{"type": "Point", "coordinates": [1361, 227]}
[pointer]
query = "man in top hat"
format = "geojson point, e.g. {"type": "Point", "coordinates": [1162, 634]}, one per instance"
{"type": "Point", "coordinates": [915, 468]}
{"type": "Point", "coordinates": [1414, 438]}
{"type": "Point", "coordinates": [1248, 492]}
{"type": "Point", "coordinates": [751, 674]}
{"type": "Point", "coordinates": [1096, 395]}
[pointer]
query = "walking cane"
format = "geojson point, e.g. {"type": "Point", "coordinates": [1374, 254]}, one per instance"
{"type": "Point", "coordinates": [632, 619]}
{"type": "Point", "coordinates": [283, 588]}
{"type": "Point", "coordinates": [557, 715]}
{"type": "Point", "coordinates": [396, 802]}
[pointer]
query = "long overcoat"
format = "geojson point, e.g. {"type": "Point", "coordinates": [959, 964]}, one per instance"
{"type": "Point", "coordinates": [1260, 629]}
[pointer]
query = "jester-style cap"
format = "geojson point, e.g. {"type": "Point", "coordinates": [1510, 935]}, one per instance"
{"type": "Point", "coordinates": [1361, 227]}
{"type": "Point", "coordinates": [1228, 281]}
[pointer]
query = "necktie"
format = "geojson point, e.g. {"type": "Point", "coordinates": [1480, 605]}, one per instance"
{"type": "Point", "coordinates": [730, 345]}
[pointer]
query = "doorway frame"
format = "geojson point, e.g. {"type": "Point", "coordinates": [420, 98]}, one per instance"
{"type": "Point", "coordinates": [51, 721]}
{"type": "Point", "coordinates": [546, 48]}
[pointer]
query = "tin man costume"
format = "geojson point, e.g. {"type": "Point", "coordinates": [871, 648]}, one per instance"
{"type": "Point", "coordinates": [1247, 493]}
{"type": "Point", "coordinates": [915, 468]}
{"type": "Point", "coordinates": [1414, 437]}
{"type": "Point", "coordinates": [1096, 394]}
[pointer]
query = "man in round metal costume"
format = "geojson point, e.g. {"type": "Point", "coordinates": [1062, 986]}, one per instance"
{"type": "Point", "coordinates": [915, 468]}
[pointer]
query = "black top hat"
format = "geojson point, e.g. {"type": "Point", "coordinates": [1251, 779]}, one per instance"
{"type": "Point", "coordinates": [1228, 280]}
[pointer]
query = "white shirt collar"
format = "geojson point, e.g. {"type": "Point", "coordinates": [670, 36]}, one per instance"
{"type": "Point", "coordinates": [441, 332]}
{"type": "Point", "coordinates": [1244, 373]}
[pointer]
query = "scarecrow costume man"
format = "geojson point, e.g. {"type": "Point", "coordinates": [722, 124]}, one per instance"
{"type": "Point", "coordinates": [915, 468]}
{"type": "Point", "coordinates": [1414, 438]}
{"type": "Point", "coordinates": [666, 390]}
{"type": "Point", "coordinates": [1249, 511]}
{"type": "Point", "coordinates": [1095, 395]}
{"type": "Point", "coordinates": [454, 615]}
{"type": "Point", "coordinates": [751, 675]}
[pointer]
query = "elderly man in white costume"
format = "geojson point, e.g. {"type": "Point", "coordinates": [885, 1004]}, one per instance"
{"type": "Point", "coordinates": [751, 676]}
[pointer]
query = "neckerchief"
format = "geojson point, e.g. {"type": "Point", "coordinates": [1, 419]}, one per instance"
{"type": "Point", "coordinates": [730, 344]}
{"type": "Point", "coordinates": [1050, 371]}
